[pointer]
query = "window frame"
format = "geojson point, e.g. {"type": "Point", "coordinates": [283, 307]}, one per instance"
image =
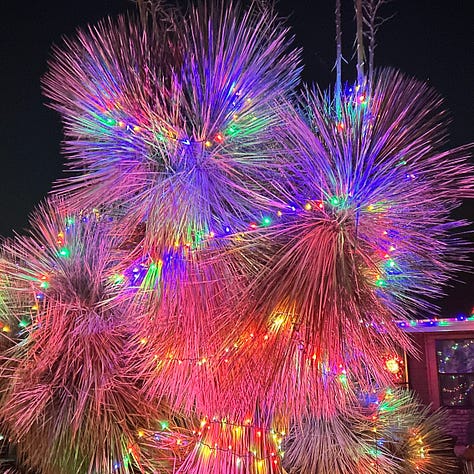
{"type": "Point", "coordinates": [454, 338]}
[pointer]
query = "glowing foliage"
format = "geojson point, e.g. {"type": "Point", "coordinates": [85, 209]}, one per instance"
{"type": "Point", "coordinates": [388, 432]}
{"type": "Point", "coordinates": [234, 448]}
{"type": "Point", "coordinates": [175, 125]}
{"type": "Point", "coordinates": [257, 252]}
{"type": "Point", "coordinates": [344, 269]}
{"type": "Point", "coordinates": [69, 378]}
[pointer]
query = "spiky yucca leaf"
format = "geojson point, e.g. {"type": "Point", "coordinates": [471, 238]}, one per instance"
{"type": "Point", "coordinates": [413, 434]}
{"type": "Point", "coordinates": [173, 118]}
{"type": "Point", "coordinates": [70, 402]}
{"type": "Point", "coordinates": [388, 432]}
{"type": "Point", "coordinates": [367, 239]}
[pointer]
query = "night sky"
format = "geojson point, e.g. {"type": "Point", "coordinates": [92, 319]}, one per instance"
{"type": "Point", "coordinates": [428, 39]}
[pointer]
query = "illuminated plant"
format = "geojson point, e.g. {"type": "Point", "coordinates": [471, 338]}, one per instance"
{"type": "Point", "coordinates": [410, 433]}
{"type": "Point", "coordinates": [228, 253]}
{"type": "Point", "coordinates": [228, 447]}
{"type": "Point", "coordinates": [369, 226]}
{"type": "Point", "coordinates": [341, 444]}
{"type": "Point", "coordinates": [386, 432]}
{"type": "Point", "coordinates": [170, 120]}
{"type": "Point", "coordinates": [70, 404]}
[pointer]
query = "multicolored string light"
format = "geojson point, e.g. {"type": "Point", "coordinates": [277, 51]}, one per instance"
{"type": "Point", "coordinates": [259, 249]}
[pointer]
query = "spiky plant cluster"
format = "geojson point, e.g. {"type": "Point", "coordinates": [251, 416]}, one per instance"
{"type": "Point", "coordinates": [339, 444]}
{"type": "Point", "coordinates": [373, 164]}
{"type": "Point", "coordinates": [412, 434]}
{"type": "Point", "coordinates": [13, 330]}
{"type": "Point", "coordinates": [173, 119]}
{"type": "Point", "coordinates": [259, 250]}
{"type": "Point", "coordinates": [174, 126]}
{"type": "Point", "coordinates": [70, 397]}
{"type": "Point", "coordinates": [180, 302]}
{"type": "Point", "coordinates": [387, 432]}
{"type": "Point", "coordinates": [363, 234]}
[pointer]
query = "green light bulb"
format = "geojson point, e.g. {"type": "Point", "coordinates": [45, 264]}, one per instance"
{"type": "Point", "coordinates": [266, 221]}
{"type": "Point", "coordinates": [118, 278]}
{"type": "Point", "coordinates": [64, 252]}
{"type": "Point", "coordinates": [232, 131]}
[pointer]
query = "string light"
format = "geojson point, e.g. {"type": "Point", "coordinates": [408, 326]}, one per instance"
{"type": "Point", "coordinates": [230, 439]}
{"type": "Point", "coordinates": [64, 252]}
{"type": "Point", "coordinates": [433, 323]}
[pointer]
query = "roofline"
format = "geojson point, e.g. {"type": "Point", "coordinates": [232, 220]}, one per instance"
{"type": "Point", "coordinates": [461, 323]}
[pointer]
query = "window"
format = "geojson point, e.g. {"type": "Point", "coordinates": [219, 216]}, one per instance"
{"type": "Point", "coordinates": [456, 372]}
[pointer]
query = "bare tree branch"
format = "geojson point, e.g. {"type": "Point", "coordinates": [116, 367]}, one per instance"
{"type": "Point", "coordinates": [358, 4]}
{"type": "Point", "coordinates": [372, 21]}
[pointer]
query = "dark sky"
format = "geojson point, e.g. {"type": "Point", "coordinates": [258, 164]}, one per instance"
{"type": "Point", "coordinates": [429, 39]}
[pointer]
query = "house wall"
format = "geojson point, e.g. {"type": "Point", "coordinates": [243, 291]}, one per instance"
{"type": "Point", "coordinates": [423, 379]}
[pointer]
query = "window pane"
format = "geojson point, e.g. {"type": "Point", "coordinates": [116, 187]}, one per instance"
{"type": "Point", "coordinates": [455, 356]}
{"type": "Point", "coordinates": [457, 390]}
